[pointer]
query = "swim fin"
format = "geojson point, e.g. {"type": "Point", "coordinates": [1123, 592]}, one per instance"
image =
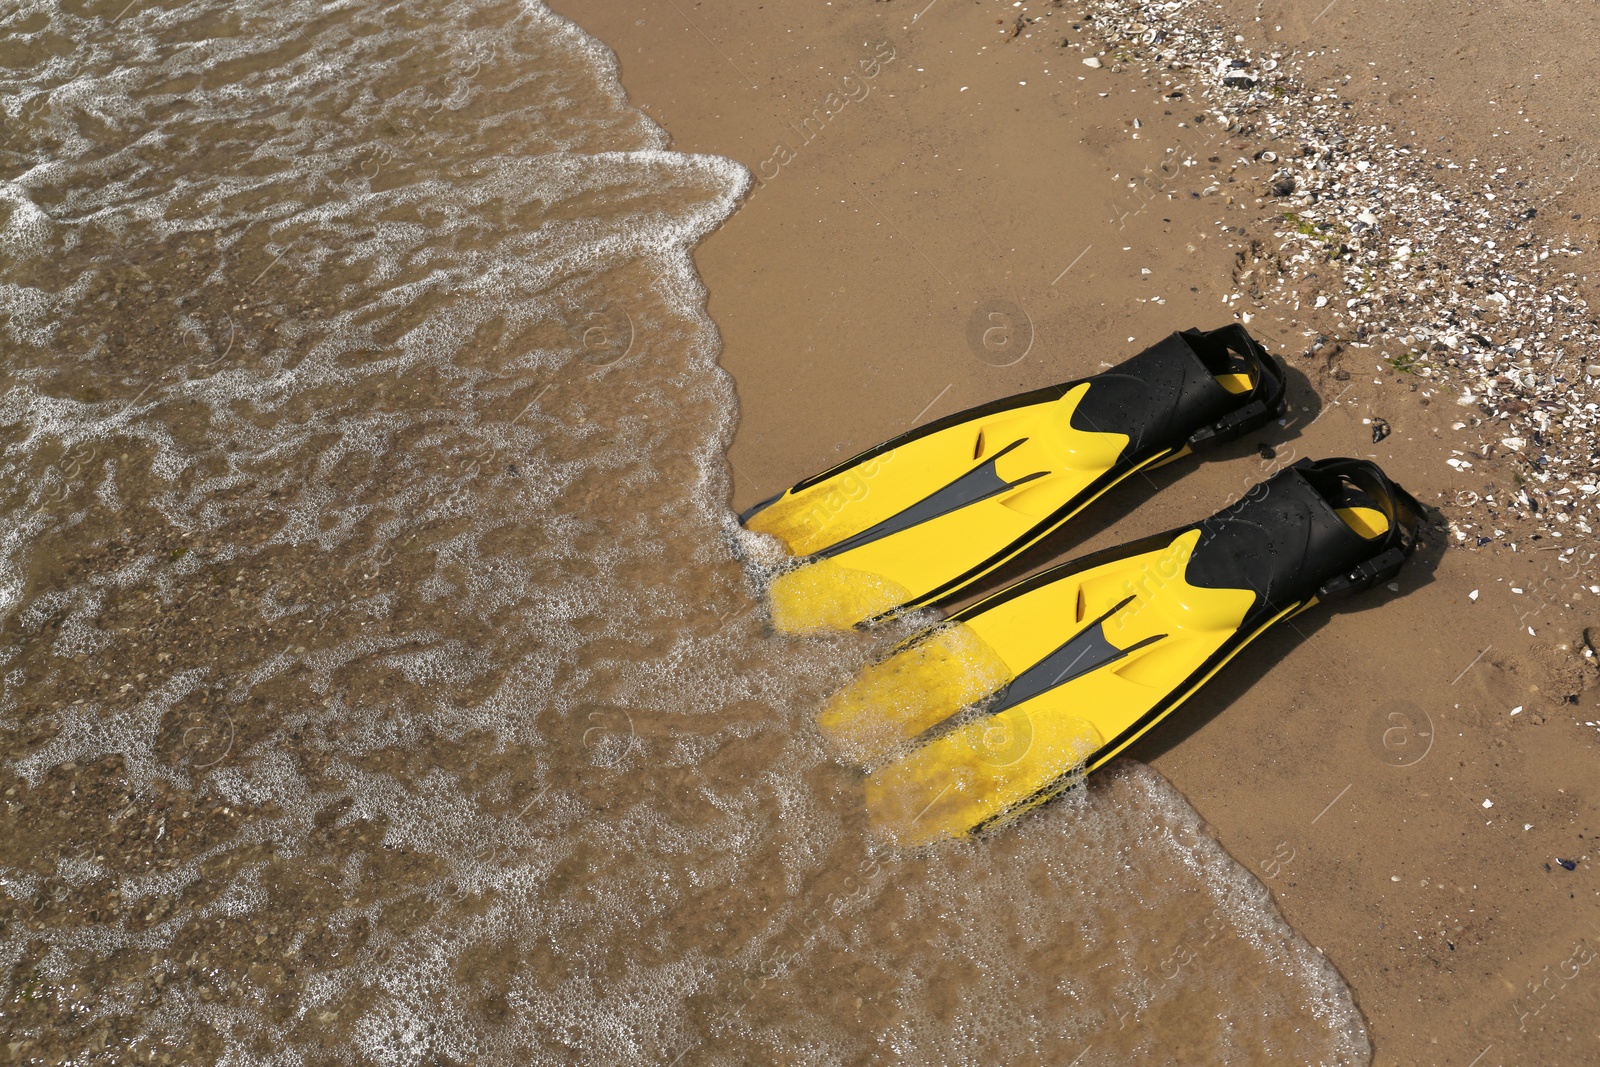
{"type": "Point", "coordinates": [1012, 700]}
{"type": "Point", "coordinates": [911, 522]}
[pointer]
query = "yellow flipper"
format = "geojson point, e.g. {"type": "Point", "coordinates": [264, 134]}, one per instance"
{"type": "Point", "coordinates": [1019, 696]}
{"type": "Point", "coordinates": [909, 523]}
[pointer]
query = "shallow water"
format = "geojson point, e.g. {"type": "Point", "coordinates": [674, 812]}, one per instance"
{"type": "Point", "coordinates": [382, 683]}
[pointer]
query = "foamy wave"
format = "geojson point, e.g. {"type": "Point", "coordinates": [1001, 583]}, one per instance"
{"type": "Point", "coordinates": [384, 675]}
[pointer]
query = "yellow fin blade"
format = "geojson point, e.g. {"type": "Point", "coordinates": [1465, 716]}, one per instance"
{"type": "Point", "coordinates": [936, 509]}
{"type": "Point", "coordinates": [826, 595]}
{"type": "Point", "coordinates": [992, 766]}
{"type": "Point", "coordinates": [919, 686]}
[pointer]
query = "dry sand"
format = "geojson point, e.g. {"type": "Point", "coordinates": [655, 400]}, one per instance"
{"type": "Point", "coordinates": [920, 165]}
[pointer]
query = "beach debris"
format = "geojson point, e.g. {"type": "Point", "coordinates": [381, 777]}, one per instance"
{"type": "Point", "coordinates": [1473, 596]}
{"type": "Point", "coordinates": [1384, 240]}
{"type": "Point", "coordinates": [1570, 865]}
{"type": "Point", "coordinates": [1591, 638]}
{"type": "Point", "coordinates": [1092, 61]}
{"type": "Point", "coordinates": [1488, 803]}
{"type": "Point", "coordinates": [1517, 710]}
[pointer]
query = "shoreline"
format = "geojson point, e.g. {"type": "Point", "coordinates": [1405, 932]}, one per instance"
{"type": "Point", "coordinates": [846, 288]}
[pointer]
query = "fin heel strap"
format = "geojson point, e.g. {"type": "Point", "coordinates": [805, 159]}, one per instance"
{"type": "Point", "coordinates": [1359, 579]}
{"type": "Point", "coordinates": [1268, 395]}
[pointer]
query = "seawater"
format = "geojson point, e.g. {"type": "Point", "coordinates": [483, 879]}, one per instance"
{"type": "Point", "coordinates": [381, 680]}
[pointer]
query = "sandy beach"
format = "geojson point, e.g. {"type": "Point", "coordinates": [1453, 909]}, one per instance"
{"type": "Point", "coordinates": [388, 679]}
{"type": "Point", "coordinates": [957, 201]}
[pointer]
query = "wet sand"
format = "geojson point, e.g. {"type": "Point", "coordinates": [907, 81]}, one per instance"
{"type": "Point", "coordinates": [941, 216]}
{"type": "Point", "coordinates": [382, 682]}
